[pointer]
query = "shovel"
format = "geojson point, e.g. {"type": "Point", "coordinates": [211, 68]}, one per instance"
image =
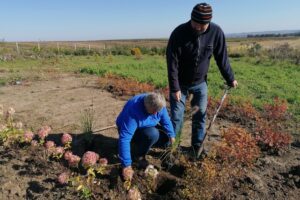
{"type": "Point", "coordinates": [105, 128]}
{"type": "Point", "coordinates": [212, 121]}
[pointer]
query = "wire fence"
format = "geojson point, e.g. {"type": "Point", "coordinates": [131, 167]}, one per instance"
{"type": "Point", "coordinates": [41, 49]}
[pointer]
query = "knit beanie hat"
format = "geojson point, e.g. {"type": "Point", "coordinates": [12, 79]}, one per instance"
{"type": "Point", "coordinates": [202, 13]}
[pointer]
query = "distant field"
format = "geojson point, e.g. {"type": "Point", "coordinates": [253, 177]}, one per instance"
{"type": "Point", "coordinates": [100, 45]}
{"type": "Point", "coordinates": [103, 44]}
{"type": "Point", "coordinates": [265, 42]}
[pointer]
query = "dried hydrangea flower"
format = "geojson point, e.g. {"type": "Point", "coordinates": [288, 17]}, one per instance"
{"type": "Point", "coordinates": [49, 145]}
{"type": "Point", "coordinates": [34, 143]}
{"type": "Point", "coordinates": [68, 155]}
{"type": "Point", "coordinates": [28, 136]}
{"type": "Point", "coordinates": [58, 151]}
{"type": "Point", "coordinates": [74, 161]}
{"type": "Point", "coordinates": [103, 161]}
{"type": "Point", "coordinates": [63, 178]}
{"type": "Point", "coordinates": [44, 132]}
{"type": "Point", "coordinates": [89, 159]}
{"type": "Point", "coordinates": [66, 138]}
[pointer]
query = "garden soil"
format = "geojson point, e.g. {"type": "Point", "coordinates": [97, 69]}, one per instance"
{"type": "Point", "coordinates": [59, 101]}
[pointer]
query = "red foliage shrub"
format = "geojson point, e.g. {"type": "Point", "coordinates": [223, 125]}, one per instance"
{"type": "Point", "coordinates": [238, 146]}
{"type": "Point", "coordinates": [273, 140]}
{"type": "Point", "coordinates": [276, 110]}
{"type": "Point", "coordinates": [124, 86]}
{"type": "Point", "coordinates": [127, 86]}
{"type": "Point", "coordinates": [247, 111]}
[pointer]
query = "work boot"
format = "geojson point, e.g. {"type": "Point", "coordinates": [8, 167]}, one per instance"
{"type": "Point", "coordinates": [197, 150]}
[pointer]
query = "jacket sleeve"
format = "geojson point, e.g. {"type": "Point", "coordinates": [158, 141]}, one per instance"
{"type": "Point", "coordinates": [126, 128]}
{"type": "Point", "coordinates": [221, 57]}
{"type": "Point", "coordinates": [172, 63]}
{"type": "Point", "coordinates": [166, 124]}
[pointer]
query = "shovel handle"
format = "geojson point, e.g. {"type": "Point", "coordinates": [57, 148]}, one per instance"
{"type": "Point", "coordinates": [216, 113]}
{"type": "Point", "coordinates": [104, 128]}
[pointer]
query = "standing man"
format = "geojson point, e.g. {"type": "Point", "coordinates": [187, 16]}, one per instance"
{"type": "Point", "coordinates": [137, 124]}
{"type": "Point", "coordinates": [189, 50]}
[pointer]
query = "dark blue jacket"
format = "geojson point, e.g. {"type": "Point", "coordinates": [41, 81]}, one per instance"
{"type": "Point", "coordinates": [135, 116]}
{"type": "Point", "coordinates": [188, 56]}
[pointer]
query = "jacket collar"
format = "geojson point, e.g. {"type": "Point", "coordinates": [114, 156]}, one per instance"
{"type": "Point", "coordinates": [189, 28]}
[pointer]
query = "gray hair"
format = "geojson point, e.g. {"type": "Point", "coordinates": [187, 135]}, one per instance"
{"type": "Point", "coordinates": [155, 101]}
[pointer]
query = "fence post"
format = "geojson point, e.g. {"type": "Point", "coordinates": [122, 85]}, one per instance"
{"type": "Point", "coordinates": [75, 46]}
{"type": "Point", "coordinates": [57, 46]}
{"type": "Point", "coordinates": [39, 47]}
{"type": "Point", "coordinates": [17, 45]}
{"type": "Point", "coordinates": [89, 47]}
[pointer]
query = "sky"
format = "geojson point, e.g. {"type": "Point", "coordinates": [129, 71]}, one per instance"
{"type": "Point", "coordinates": [54, 20]}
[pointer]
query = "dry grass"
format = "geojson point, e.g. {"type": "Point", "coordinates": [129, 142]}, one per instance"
{"type": "Point", "coordinates": [294, 42]}
{"type": "Point", "coordinates": [103, 44]}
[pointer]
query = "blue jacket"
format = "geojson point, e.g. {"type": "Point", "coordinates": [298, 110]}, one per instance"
{"type": "Point", "coordinates": [135, 116]}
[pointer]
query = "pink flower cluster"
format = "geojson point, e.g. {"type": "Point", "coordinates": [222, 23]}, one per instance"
{"type": "Point", "coordinates": [68, 155]}
{"type": "Point", "coordinates": [34, 143]}
{"type": "Point", "coordinates": [44, 132]}
{"type": "Point", "coordinates": [89, 159]}
{"type": "Point", "coordinates": [103, 161]}
{"type": "Point", "coordinates": [28, 136]}
{"type": "Point", "coordinates": [73, 160]}
{"type": "Point", "coordinates": [49, 145]}
{"type": "Point", "coordinates": [66, 138]}
{"type": "Point", "coordinates": [58, 151]}
{"type": "Point", "coordinates": [63, 178]}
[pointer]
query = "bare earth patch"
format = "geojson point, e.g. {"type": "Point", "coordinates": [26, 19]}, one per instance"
{"type": "Point", "coordinates": [59, 102]}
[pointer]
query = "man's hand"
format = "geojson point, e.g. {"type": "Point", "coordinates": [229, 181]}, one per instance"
{"type": "Point", "coordinates": [127, 173]}
{"type": "Point", "coordinates": [177, 95]}
{"type": "Point", "coordinates": [234, 84]}
{"type": "Point", "coordinates": [172, 141]}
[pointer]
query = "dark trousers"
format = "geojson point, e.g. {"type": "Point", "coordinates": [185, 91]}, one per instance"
{"type": "Point", "coordinates": [144, 138]}
{"type": "Point", "coordinates": [199, 118]}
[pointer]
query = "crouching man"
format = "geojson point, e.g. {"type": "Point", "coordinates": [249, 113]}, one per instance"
{"type": "Point", "coordinates": [137, 125]}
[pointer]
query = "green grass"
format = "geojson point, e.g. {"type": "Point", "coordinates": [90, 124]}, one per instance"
{"type": "Point", "coordinates": [151, 69]}
{"type": "Point", "coordinates": [259, 82]}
